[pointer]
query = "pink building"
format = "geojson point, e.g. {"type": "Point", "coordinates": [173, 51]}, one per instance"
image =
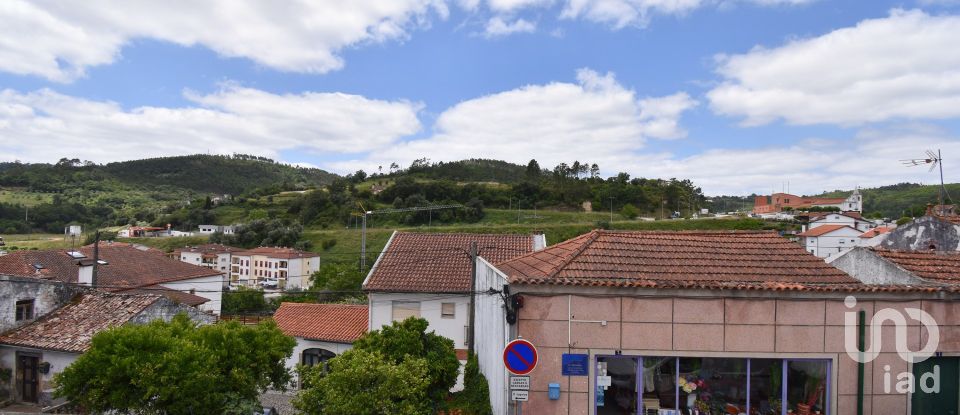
{"type": "Point", "coordinates": [709, 323]}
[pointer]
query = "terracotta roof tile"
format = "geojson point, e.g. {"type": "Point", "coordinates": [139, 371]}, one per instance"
{"type": "Point", "coordinates": [880, 230]}
{"type": "Point", "coordinates": [127, 266]}
{"type": "Point", "coordinates": [71, 327]}
{"type": "Point", "coordinates": [179, 297]}
{"type": "Point", "coordinates": [439, 262]}
{"type": "Point", "coordinates": [702, 259]}
{"type": "Point", "coordinates": [207, 249]}
{"type": "Point", "coordinates": [823, 230]}
{"type": "Point", "coordinates": [942, 267]}
{"type": "Point", "coordinates": [338, 323]}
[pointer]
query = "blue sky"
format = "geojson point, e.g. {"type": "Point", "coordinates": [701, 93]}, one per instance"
{"type": "Point", "coordinates": [739, 96]}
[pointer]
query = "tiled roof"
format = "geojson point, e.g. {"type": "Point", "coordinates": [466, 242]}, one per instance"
{"type": "Point", "coordinates": [879, 230]}
{"type": "Point", "coordinates": [850, 214]}
{"type": "Point", "coordinates": [277, 252]}
{"type": "Point", "coordinates": [71, 327]}
{"type": "Point", "coordinates": [127, 266]}
{"type": "Point", "coordinates": [823, 230]}
{"type": "Point", "coordinates": [702, 259]}
{"type": "Point", "coordinates": [179, 297]}
{"type": "Point", "coordinates": [439, 262]}
{"type": "Point", "coordinates": [942, 267]}
{"type": "Point", "coordinates": [207, 249]}
{"type": "Point", "coordinates": [338, 323]}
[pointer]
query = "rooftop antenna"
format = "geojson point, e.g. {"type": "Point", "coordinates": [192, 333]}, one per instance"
{"type": "Point", "coordinates": [364, 213]}
{"type": "Point", "coordinates": [934, 160]}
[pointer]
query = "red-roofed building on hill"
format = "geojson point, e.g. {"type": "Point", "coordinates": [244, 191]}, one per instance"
{"type": "Point", "coordinates": [428, 275]}
{"type": "Point", "coordinates": [122, 268]}
{"type": "Point", "coordinates": [778, 201]}
{"type": "Point", "coordinates": [213, 256]}
{"type": "Point", "coordinates": [753, 319]}
{"type": "Point", "coordinates": [322, 331]}
{"type": "Point", "coordinates": [274, 267]}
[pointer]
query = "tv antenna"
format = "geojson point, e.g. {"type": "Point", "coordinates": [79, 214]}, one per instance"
{"type": "Point", "coordinates": [934, 160]}
{"type": "Point", "coordinates": [364, 213]}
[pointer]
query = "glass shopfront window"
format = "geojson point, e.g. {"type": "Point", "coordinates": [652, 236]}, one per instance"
{"type": "Point", "coordinates": [713, 386]}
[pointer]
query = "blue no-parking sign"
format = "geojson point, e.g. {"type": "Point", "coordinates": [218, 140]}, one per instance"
{"type": "Point", "coordinates": [520, 357]}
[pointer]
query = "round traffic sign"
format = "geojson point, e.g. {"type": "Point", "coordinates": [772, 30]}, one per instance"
{"type": "Point", "coordinates": [520, 357]}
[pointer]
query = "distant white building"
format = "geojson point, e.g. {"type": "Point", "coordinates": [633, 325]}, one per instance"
{"type": "Point", "coordinates": [829, 240]}
{"type": "Point", "coordinates": [209, 229]}
{"type": "Point", "coordinates": [213, 256]}
{"type": "Point", "coordinates": [291, 268]}
{"type": "Point", "coordinates": [851, 219]}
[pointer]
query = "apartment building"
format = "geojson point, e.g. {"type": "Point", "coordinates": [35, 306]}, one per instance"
{"type": "Point", "coordinates": [288, 267]}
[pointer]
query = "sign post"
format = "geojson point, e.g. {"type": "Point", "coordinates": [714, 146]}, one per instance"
{"type": "Point", "coordinates": [520, 358]}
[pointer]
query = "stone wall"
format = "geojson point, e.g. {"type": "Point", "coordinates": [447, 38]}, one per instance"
{"type": "Point", "coordinates": [47, 296]}
{"type": "Point", "coordinates": [922, 234]}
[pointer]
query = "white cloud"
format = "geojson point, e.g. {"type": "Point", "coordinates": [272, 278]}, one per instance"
{"type": "Point", "coordinates": [44, 125]}
{"type": "Point", "coordinates": [513, 5]}
{"type": "Point", "coordinates": [622, 13]}
{"type": "Point", "coordinates": [59, 42]}
{"type": "Point", "coordinates": [898, 67]}
{"type": "Point", "coordinates": [870, 159]}
{"type": "Point", "coordinates": [595, 120]}
{"type": "Point", "coordinates": [497, 27]}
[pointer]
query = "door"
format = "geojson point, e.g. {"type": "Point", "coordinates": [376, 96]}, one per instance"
{"type": "Point", "coordinates": [28, 378]}
{"type": "Point", "coordinates": [947, 399]}
{"type": "Point", "coordinates": [616, 386]}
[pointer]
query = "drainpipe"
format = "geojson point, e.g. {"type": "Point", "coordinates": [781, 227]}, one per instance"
{"type": "Point", "coordinates": [861, 334]}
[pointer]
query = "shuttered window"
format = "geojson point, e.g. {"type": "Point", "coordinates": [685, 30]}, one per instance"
{"type": "Point", "coordinates": [405, 309]}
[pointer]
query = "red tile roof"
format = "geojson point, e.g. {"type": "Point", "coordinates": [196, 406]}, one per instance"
{"type": "Point", "coordinates": [277, 252]}
{"type": "Point", "coordinates": [850, 214]}
{"type": "Point", "coordinates": [71, 327]}
{"type": "Point", "coordinates": [127, 266]}
{"type": "Point", "coordinates": [823, 230]}
{"type": "Point", "coordinates": [179, 297]}
{"type": "Point", "coordinates": [879, 230]}
{"type": "Point", "coordinates": [338, 323]}
{"type": "Point", "coordinates": [941, 267]}
{"type": "Point", "coordinates": [439, 262]}
{"type": "Point", "coordinates": [702, 259]}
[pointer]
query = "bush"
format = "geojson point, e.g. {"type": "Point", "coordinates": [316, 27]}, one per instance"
{"type": "Point", "coordinates": [474, 399]}
{"type": "Point", "coordinates": [328, 243]}
{"type": "Point", "coordinates": [904, 220]}
{"type": "Point", "coordinates": [629, 211]}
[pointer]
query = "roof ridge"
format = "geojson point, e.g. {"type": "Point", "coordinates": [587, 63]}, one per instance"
{"type": "Point", "coordinates": [591, 236]}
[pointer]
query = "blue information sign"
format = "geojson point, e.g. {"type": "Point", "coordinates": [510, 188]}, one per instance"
{"type": "Point", "coordinates": [574, 364]}
{"type": "Point", "coordinates": [520, 357]}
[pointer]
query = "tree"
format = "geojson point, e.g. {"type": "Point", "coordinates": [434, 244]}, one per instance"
{"type": "Point", "coordinates": [594, 171]}
{"type": "Point", "coordinates": [244, 300]}
{"type": "Point", "coordinates": [411, 372]}
{"type": "Point", "coordinates": [629, 211]}
{"type": "Point", "coordinates": [474, 399]}
{"type": "Point", "coordinates": [337, 277]}
{"type": "Point", "coordinates": [533, 170]}
{"type": "Point", "coordinates": [178, 367]}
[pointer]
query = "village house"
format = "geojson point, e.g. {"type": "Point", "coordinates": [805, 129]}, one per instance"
{"type": "Point", "coordinates": [726, 322]}
{"type": "Point", "coordinates": [282, 268]}
{"type": "Point", "coordinates": [122, 268]}
{"type": "Point", "coordinates": [851, 219]}
{"type": "Point", "coordinates": [778, 201]}
{"type": "Point", "coordinates": [322, 331]}
{"type": "Point", "coordinates": [45, 325]}
{"type": "Point", "coordinates": [428, 275]}
{"type": "Point", "coordinates": [213, 256]}
{"type": "Point", "coordinates": [210, 229]}
{"type": "Point", "coordinates": [825, 241]}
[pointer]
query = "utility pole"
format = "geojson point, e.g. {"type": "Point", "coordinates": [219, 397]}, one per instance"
{"type": "Point", "coordinates": [473, 295]}
{"type": "Point", "coordinates": [96, 258]}
{"type": "Point", "coordinates": [611, 208]}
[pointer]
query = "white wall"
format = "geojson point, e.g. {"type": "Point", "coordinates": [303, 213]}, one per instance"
{"type": "Point", "coordinates": [381, 313]}
{"type": "Point", "coordinates": [58, 361]}
{"type": "Point", "coordinates": [303, 344]}
{"type": "Point", "coordinates": [193, 258]}
{"type": "Point", "coordinates": [207, 287]}
{"type": "Point", "coordinates": [838, 219]}
{"type": "Point", "coordinates": [493, 333]}
{"type": "Point", "coordinates": [833, 243]}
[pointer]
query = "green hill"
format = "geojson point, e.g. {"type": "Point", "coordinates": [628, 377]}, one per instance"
{"type": "Point", "coordinates": [903, 199]}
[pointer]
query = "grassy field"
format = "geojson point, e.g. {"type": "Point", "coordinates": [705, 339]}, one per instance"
{"type": "Point", "coordinates": [21, 197]}
{"type": "Point", "coordinates": [38, 241]}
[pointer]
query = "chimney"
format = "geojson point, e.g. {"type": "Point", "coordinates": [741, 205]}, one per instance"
{"type": "Point", "coordinates": [85, 274]}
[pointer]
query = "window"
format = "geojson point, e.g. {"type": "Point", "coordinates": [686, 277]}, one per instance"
{"type": "Point", "coordinates": [403, 310]}
{"type": "Point", "coordinates": [24, 310]}
{"type": "Point", "coordinates": [448, 310]}
{"type": "Point", "coordinates": [313, 357]}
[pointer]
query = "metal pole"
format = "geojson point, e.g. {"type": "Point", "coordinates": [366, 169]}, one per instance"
{"type": "Point", "coordinates": [611, 208]}
{"type": "Point", "coordinates": [942, 188]}
{"type": "Point", "coordinates": [363, 244]}
{"type": "Point", "coordinates": [473, 295]}
{"type": "Point", "coordinates": [96, 258]}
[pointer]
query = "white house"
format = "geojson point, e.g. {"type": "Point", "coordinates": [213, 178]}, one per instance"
{"type": "Point", "coordinates": [213, 256]}
{"type": "Point", "coordinates": [851, 219]}
{"type": "Point", "coordinates": [291, 268]}
{"type": "Point", "coordinates": [209, 229]}
{"type": "Point", "coordinates": [428, 275]}
{"type": "Point", "coordinates": [322, 331]}
{"type": "Point", "coordinates": [825, 241]}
